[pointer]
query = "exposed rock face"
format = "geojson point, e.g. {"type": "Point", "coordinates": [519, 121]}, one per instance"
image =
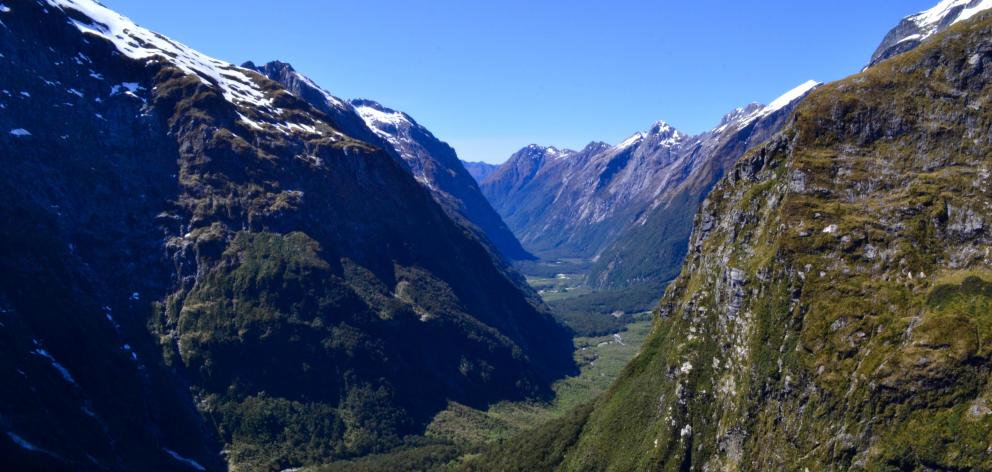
{"type": "Point", "coordinates": [432, 162]}
{"type": "Point", "coordinates": [195, 259]}
{"type": "Point", "coordinates": [835, 310]}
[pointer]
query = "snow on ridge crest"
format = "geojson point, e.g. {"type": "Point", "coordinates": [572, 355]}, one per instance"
{"type": "Point", "coordinates": [929, 21]}
{"type": "Point", "coordinates": [138, 43]}
{"type": "Point", "coordinates": [331, 99]}
{"type": "Point", "coordinates": [790, 96]}
{"type": "Point", "coordinates": [740, 118]}
{"type": "Point", "coordinates": [632, 140]}
{"type": "Point", "coordinates": [668, 133]}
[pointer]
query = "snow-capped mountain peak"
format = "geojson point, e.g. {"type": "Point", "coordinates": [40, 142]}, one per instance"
{"type": "Point", "coordinates": [915, 29]}
{"type": "Point", "coordinates": [660, 133]}
{"type": "Point", "coordinates": [741, 117]}
{"type": "Point", "coordinates": [740, 114]}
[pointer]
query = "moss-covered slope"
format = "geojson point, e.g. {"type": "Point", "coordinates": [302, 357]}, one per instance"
{"type": "Point", "coordinates": [834, 310]}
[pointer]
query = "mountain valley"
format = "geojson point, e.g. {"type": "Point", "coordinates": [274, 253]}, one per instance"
{"type": "Point", "coordinates": [211, 267]}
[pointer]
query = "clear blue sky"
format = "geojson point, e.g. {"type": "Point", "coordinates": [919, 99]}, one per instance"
{"type": "Point", "coordinates": [490, 77]}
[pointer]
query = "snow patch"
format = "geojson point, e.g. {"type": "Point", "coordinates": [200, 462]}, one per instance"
{"type": "Point", "coordinates": [59, 367]}
{"type": "Point", "coordinates": [790, 96]}
{"type": "Point", "coordinates": [928, 21]}
{"type": "Point", "coordinates": [634, 139]}
{"type": "Point", "coordinates": [24, 444]}
{"type": "Point", "coordinates": [185, 460]}
{"type": "Point", "coordinates": [20, 132]}
{"type": "Point", "coordinates": [376, 118]}
{"type": "Point", "coordinates": [128, 86]}
{"type": "Point", "coordinates": [4, 8]}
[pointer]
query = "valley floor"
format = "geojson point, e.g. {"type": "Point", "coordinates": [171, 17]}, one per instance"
{"type": "Point", "coordinates": [606, 340]}
{"type": "Point", "coordinates": [600, 359]}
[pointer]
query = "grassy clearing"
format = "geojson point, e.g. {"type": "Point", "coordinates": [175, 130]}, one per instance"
{"type": "Point", "coordinates": [600, 358]}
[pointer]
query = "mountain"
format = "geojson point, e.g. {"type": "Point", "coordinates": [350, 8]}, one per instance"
{"type": "Point", "coordinates": [564, 203]}
{"type": "Point", "coordinates": [432, 162]}
{"type": "Point", "coordinates": [834, 310]}
{"type": "Point", "coordinates": [915, 29]}
{"type": "Point", "coordinates": [201, 271]}
{"type": "Point", "coordinates": [480, 170]}
{"type": "Point", "coordinates": [436, 165]}
{"type": "Point", "coordinates": [651, 250]}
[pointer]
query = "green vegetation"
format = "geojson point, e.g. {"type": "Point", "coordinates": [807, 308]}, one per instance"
{"type": "Point", "coordinates": [458, 434]}
{"type": "Point", "coordinates": [585, 311]}
{"type": "Point", "coordinates": [593, 313]}
{"type": "Point", "coordinates": [600, 359]}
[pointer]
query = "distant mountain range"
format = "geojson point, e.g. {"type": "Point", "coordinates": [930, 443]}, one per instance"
{"type": "Point", "coordinates": [628, 206]}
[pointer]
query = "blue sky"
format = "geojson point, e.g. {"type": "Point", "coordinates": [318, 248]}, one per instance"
{"type": "Point", "coordinates": [492, 77]}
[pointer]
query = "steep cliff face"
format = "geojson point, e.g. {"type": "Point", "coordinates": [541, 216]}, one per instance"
{"type": "Point", "coordinates": [195, 259]}
{"type": "Point", "coordinates": [432, 162]}
{"type": "Point", "coordinates": [835, 308]}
